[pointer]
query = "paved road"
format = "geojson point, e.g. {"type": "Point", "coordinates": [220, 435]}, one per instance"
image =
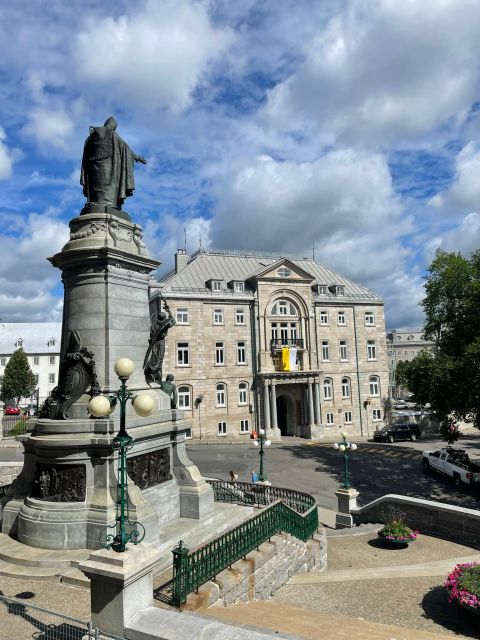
{"type": "Point", "coordinates": [376, 469]}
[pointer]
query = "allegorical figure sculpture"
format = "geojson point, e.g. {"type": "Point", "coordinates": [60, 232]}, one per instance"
{"type": "Point", "coordinates": [171, 390]}
{"type": "Point", "coordinates": [107, 173]}
{"type": "Point", "coordinates": [153, 362]}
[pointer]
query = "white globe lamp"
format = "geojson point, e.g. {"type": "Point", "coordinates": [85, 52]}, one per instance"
{"type": "Point", "coordinates": [99, 406]}
{"type": "Point", "coordinates": [124, 368]}
{"type": "Point", "coordinates": [143, 404]}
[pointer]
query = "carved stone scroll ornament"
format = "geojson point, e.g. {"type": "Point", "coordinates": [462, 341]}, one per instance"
{"type": "Point", "coordinates": [59, 483]}
{"type": "Point", "coordinates": [149, 469]}
{"type": "Point", "coordinates": [77, 375]}
{"type": "Point", "coordinates": [153, 362]}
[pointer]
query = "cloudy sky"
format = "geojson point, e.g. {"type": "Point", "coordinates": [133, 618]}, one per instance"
{"type": "Point", "coordinates": [353, 125]}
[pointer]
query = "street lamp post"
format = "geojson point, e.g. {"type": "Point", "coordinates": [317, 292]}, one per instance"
{"type": "Point", "coordinates": [344, 447]}
{"type": "Point", "coordinates": [262, 441]}
{"type": "Point", "coordinates": [101, 406]}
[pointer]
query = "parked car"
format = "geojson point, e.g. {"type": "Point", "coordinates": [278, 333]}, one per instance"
{"type": "Point", "coordinates": [454, 463]}
{"type": "Point", "coordinates": [12, 410]}
{"type": "Point", "coordinates": [398, 432]}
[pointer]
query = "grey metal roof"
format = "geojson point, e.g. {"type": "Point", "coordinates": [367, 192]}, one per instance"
{"type": "Point", "coordinates": [206, 264]}
{"type": "Point", "coordinates": [35, 336]}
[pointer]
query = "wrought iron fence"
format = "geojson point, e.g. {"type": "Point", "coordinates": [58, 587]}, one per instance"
{"type": "Point", "coordinates": [260, 495]}
{"type": "Point", "coordinates": [13, 426]}
{"type": "Point", "coordinates": [192, 569]}
{"type": "Point", "coordinates": [24, 621]}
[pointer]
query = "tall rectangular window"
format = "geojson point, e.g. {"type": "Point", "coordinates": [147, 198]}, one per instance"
{"type": "Point", "coordinates": [377, 414]}
{"type": "Point", "coordinates": [222, 428]}
{"type": "Point", "coordinates": [219, 353]}
{"type": "Point", "coordinates": [343, 351]}
{"type": "Point", "coordinates": [324, 317]}
{"type": "Point", "coordinates": [182, 316]}
{"type": "Point", "coordinates": [218, 316]}
{"type": "Point", "coordinates": [329, 418]}
{"type": "Point", "coordinates": [51, 378]}
{"type": "Point", "coordinates": [369, 319]}
{"type": "Point", "coordinates": [241, 353]}
{"type": "Point", "coordinates": [243, 426]}
{"type": "Point", "coordinates": [239, 316]}
{"type": "Point", "coordinates": [51, 360]}
{"type": "Point", "coordinates": [239, 287]}
{"type": "Point", "coordinates": [341, 319]}
{"type": "Point", "coordinates": [325, 350]}
{"type": "Point", "coordinates": [371, 350]}
{"type": "Point", "coordinates": [36, 360]}
{"type": "Point", "coordinates": [217, 285]}
{"type": "Point", "coordinates": [348, 417]}
{"type": "Point", "coordinates": [182, 354]}
{"type": "Point", "coordinates": [3, 362]}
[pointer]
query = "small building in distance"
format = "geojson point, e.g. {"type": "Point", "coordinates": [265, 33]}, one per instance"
{"type": "Point", "coordinates": [41, 343]}
{"type": "Point", "coordinates": [404, 345]}
{"type": "Point", "coordinates": [267, 341]}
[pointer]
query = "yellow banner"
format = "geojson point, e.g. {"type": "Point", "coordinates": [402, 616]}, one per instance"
{"type": "Point", "coordinates": [285, 359]}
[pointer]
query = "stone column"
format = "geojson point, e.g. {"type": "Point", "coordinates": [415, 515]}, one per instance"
{"type": "Point", "coordinates": [347, 501]}
{"type": "Point", "coordinates": [316, 401]}
{"type": "Point", "coordinates": [273, 407]}
{"type": "Point", "coordinates": [311, 417]}
{"type": "Point", "coordinates": [266, 405]}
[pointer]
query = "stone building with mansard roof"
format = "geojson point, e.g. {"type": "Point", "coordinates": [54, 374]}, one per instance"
{"type": "Point", "coordinates": [264, 341]}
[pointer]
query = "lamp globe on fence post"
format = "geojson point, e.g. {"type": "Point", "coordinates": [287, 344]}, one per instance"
{"type": "Point", "coordinates": [261, 441]}
{"type": "Point", "coordinates": [101, 406]}
{"type": "Point", "coordinates": [344, 447]}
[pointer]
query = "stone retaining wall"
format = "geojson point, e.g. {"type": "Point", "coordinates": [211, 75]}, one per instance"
{"type": "Point", "coordinates": [432, 518]}
{"type": "Point", "coordinates": [263, 571]}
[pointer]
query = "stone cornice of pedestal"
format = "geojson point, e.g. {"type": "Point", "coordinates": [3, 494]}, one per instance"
{"type": "Point", "coordinates": [125, 567]}
{"type": "Point", "coordinates": [108, 256]}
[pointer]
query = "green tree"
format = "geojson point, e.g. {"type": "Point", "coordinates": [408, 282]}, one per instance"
{"type": "Point", "coordinates": [18, 379]}
{"type": "Point", "coordinates": [450, 381]}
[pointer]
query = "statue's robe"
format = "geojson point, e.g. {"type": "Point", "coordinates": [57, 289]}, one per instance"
{"type": "Point", "coordinates": [107, 173]}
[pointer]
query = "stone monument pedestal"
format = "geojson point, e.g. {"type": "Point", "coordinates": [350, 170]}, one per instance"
{"type": "Point", "coordinates": [121, 585]}
{"type": "Point", "coordinates": [347, 500]}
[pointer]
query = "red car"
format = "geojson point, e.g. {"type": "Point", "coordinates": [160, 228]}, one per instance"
{"type": "Point", "coordinates": [12, 410]}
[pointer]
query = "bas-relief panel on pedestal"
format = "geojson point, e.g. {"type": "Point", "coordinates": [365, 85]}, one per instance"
{"type": "Point", "coordinates": [150, 469]}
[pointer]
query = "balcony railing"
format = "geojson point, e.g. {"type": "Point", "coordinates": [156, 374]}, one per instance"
{"type": "Point", "coordinates": [278, 343]}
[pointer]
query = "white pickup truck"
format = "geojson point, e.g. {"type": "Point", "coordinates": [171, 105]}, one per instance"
{"type": "Point", "coordinates": [454, 463]}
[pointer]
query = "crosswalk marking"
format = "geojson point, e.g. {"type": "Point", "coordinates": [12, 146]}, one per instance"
{"type": "Point", "coordinates": [391, 453]}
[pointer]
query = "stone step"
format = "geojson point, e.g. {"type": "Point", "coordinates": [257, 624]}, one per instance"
{"type": "Point", "coordinates": [31, 573]}
{"type": "Point", "coordinates": [15, 552]}
{"type": "Point", "coordinates": [75, 578]}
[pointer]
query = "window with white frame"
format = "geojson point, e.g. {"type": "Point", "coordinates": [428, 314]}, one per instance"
{"type": "Point", "coordinates": [219, 353]}
{"type": "Point", "coordinates": [327, 389]}
{"type": "Point", "coordinates": [239, 316]}
{"type": "Point", "coordinates": [283, 272]}
{"type": "Point", "coordinates": [36, 360]}
{"type": "Point", "coordinates": [369, 319]}
{"type": "Point", "coordinates": [325, 351]}
{"type": "Point", "coordinates": [340, 290]}
{"type": "Point", "coordinates": [51, 342]}
{"type": "Point", "coordinates": [348, 417]}
{"type": "Point", "coordinates": [183, 359]}
{"type": "Point", "coordinates": [330, 418]}
{"type": "Point", "coordinates": [322, 289]}
{"type": "Point", "coordinates": [51, 378]}
{"type": "Point", "coordinates": [243, 393]}
{"type": "Point", "coordinates": [3, 362]}
{"type": "Point", "coordinates": [218, 316]}
{"type": "Point", "coordinates": [284, 308]}
{"type": "Point", "coordinates": [341, 319]}
{"type": "Point", "coordinates": [184, 398]}
{"type": "Point", "coordinates": [182, 316]}
{"type": "Point", "coordinates": [371, 350]}
{"type": "Point", "coordinates": [343, 351]}
{"type": "Point", "coordinates": [374, 386]}
{"type": "Point", "coordinates": [51, 360]}
{"type": "Point", "coordinates": [243, 426]}
{"type": "Point", "coordinates": [222, 428]}
{"type": "Point", "coordinates": [239, 287]}
{"type": "Point", "coordinates": [19, 343]}
{"type": "Point", "coordinates": [241, 352]}
{"type": "Point", "coordinates": [324, 317]}
{"type": "Point", "coordinates": [345, 387]}
{"type": "Point", "coordinates": [220, 396]}
{"type": "Point", "coordinates": [377, 415]}
{"type": "Point", "coordinates": [216, 285]}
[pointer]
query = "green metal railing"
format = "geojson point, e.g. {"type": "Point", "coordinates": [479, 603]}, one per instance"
{"type": "Point", "coordinates": [191, 569]}
{"type": "Point", "coordinates": [260, 495]}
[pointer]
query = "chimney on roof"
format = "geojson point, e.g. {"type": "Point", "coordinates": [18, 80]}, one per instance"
{"type": "Point", "coordinates": [181, 260]}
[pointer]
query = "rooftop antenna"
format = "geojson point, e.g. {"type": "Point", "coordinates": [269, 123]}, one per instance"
{"type": "Point", "coordinates": [313, 251]}
{"type": "Point", "coordinates": [200, 240]}
{"type": "Point", "coordinates": [185, 236]}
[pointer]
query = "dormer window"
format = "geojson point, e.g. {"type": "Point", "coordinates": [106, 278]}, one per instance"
{"type": "Point", "coordinates": [215, 285]}
{"type": "Point", "coordinates": [19, 343]}
{"type": "Point", "coordinates": [239, 287]}
{"type": "Point", "coordinates": [51, 342]}
{"type": "Point", "coordinates": [320, 289]}
{"type": "Point", "coordinates": [283, 272]}
{"type": "Point", "coordinates": [339, 290]}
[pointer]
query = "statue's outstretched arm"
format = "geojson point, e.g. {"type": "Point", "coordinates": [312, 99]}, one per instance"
{"type": "Point", "coordinates": [139, 159]}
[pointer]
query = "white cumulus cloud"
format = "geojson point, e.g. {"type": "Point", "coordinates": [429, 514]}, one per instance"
{"type": "Point", "coordinates": [6, 160]}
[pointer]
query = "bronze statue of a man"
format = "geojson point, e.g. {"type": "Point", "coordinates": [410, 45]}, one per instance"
{"type": "Point", "coordinates": [171, 390]}
{"type": "Point", "coordinates": [107, 166]}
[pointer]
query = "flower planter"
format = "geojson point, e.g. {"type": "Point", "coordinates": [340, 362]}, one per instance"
{"type": "Point", "coordinates": [457, 591]}
{"type": "Point", "coordinates": [396, 542]}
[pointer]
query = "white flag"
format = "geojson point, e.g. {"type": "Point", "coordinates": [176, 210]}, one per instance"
{"type": "Point", "coordinates": [293, 358]}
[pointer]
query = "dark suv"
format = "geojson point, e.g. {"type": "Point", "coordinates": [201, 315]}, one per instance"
{"type": "Point", "coordinates": [398, 432]}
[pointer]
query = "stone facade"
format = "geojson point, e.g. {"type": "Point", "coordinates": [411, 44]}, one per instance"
{"type": "Point", "coordinates": [404, 345]}
{"type": "Point", "coordinates": [236, 314]}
